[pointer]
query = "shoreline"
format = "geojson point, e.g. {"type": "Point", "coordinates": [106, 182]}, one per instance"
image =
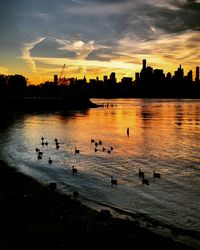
{"type": "Point", "coordinates": [45, 104]}
{"type": "Point", "coordinates": [33, 216]}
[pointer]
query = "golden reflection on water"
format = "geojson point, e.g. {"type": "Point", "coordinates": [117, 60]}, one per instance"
{"type": "Point", "coordinates": [158, 129]}
{"type": "Point", "coordinates": [164, 136]}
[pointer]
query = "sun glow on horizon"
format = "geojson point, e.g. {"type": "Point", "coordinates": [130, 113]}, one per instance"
{"type": "Point", "coordinates": [91, 69]}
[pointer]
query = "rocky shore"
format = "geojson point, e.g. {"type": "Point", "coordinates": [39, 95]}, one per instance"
{"type": "Point", "coordinates": [36, 216]}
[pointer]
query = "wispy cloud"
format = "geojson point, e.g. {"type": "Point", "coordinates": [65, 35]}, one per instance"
{"type": "Point", "coordinates": [26, 54]}
{"type": "Point", "coordinates": [80, 62]}
{"type": "Point", "coordinates": [166, 50]}
{"type": "Point", "coordinates": [82, 49]}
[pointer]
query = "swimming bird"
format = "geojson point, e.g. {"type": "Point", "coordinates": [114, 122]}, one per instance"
{"type": "Point", "coordinates": [141, 173]}
{"type": "Point", "coordinates": [109, 151]}
{"type": "Point", "coordinates": [100, 142]}
{"type": "Point", "coordinates": [145, 181]}
{"type": "Point", "coordinates": [111, 148]}
{"type": "Point", "coordinates": [42, 138]}
{"type": "Point", "coordinates": [39, 157]}
{"type": "Point", "coordinates": [50, 161]}
{"type": "Point", "coordinates": [40, 153]}
{"type": "Point", "coordinates": [96, 144]}
{"type": "Point", "coordinates": [156, 174]}
{"type": "Point", "coordinates": [113, 181]}
{"type": "Point", "coordinates": [95, 149]}
{"type": "Point", "coordinates": [37, 149]}
{"type": "Point", "coordinates": [77, 151]}
{"type": "Point", "coordinates": [103, 149]}
{"type": "Point", "coordinates": [127, 131]}
{"type": "Point", "coordinates": [46, 143]}
{"type": "Point", "coordinates": [92, 140]}
{"type": "Point", "coordinates": [74, 170]}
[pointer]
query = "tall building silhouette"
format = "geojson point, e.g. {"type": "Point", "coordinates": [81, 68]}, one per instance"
{"type": "Point", "coordinates": [56, 79]}
{"type": "Point", "coordinates": [144, 63]}
{"type": "Point", "coordinates": [197, 74]}
{"type": "Point", "coordinates": [105, 78]}
{"type": "Point", "coordinates": [178, 74]}
{"type": "Point", "coordinates": [113, 79]}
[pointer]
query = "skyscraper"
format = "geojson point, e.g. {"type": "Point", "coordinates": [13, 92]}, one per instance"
{"type": "Point", "coordinates": [144, 63]}
{"type": "Point", "coordinates": [197, 74]}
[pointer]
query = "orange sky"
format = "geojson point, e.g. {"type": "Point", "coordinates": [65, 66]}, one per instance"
{"type": "Point", "coordinates": [95, 38]}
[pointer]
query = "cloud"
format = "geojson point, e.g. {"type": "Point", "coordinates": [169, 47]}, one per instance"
{"type": "Point", "coordinates": [80, 62]}
{"type": "Point", "coordinates": [173, 49]}
{"type": "Point", "coordinates": [26, 55]}
{"type": "Point", "coordinates": [80, 48]}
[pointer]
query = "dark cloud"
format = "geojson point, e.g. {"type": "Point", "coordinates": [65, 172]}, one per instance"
{"type": "Point", "coordinates": [191, 1]}
{"type": "Point", "coordinates": [184, 18]}
{"type": "Point", "coordinates": [107, 1]}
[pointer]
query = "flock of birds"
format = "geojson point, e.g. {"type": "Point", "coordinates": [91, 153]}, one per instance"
{"type": "Point", "coordinates": [98, 143]}
{"type": "Point", "coordinates": [146, 181]}
{"type": "Point", "coordinates": [40, 153]}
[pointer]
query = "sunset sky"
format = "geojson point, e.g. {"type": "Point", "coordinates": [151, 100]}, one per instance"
{"type": "Point", "coordinates": [96, 37]}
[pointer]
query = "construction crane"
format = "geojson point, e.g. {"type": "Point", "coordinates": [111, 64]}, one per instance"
{"type": "Point", "coordinates": [61, 74]}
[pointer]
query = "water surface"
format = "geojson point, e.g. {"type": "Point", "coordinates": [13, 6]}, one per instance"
{"type": "Point", "coordinates": [164, 136]}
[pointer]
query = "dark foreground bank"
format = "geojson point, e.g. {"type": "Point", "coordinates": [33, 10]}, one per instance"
{"type": "Point", "coordinates": [33, 216]}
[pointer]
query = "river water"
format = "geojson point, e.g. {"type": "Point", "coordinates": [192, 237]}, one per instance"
{"type": "Point", "coordinates": [164, 135]}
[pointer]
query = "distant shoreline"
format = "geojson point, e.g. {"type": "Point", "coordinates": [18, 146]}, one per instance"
{"type": "Point", "coordinates": [45, 103]}
{"type": "Point", "coordinates": [57, 103]}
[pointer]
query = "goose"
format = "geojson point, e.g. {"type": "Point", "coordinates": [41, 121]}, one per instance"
{"type": "Point", "coordinates": [156, 174]}
{"type": "Point", "coordinates": [113, 181]}
{"type": "Point", "coordinates": [37, 149]}
{"type": "Point", "coordinates": [50, 161]}
{"type": "Point", "coordinates": [128, 131]}
{"type": "Point", "coordinates": [74, 170]}
{"type": "Point", "coordinates": [39, 157]}
{"type": "Point", "coordinates": [145, 181]}
{"type": "Point", "coordinates": [77, 151]}
{"type": "Point", "coordinates": [141, 173]}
